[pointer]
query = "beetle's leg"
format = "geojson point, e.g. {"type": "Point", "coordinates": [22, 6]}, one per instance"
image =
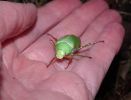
{"type": "Point", "coordinates": [89, 44]}
{"type": "Point", "coordinates": [52, 61]}
{"type": "Point", "coordinates": [70, 61]}
{"type": "Point", "coordinates": [82, 55]}
{"type": "Point", "coordinates": [69, 58]}
{"type": "Point", "coordinates": [55, 39]}
{"type": "Point", "coordinates": [77, 53]}
{"type": "Point", "coordinates": [52, 42]}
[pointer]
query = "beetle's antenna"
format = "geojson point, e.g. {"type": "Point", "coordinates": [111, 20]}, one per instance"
{"type": "Point", "coordinates": [52, 61]}
{"type": "Point", "coordinates": [90, 44]}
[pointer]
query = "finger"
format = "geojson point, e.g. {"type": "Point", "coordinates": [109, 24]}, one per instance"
{"type": "Point", "coordinates": [15, 18]}
{"type": "Point", "coordinates": [79, 20]}
{"type": "Point", "coordinates": [95, 29]}
{"type": "Point", "coordinates": [93, 71]}
{"type": "Point", "coordinates": [48, 16]}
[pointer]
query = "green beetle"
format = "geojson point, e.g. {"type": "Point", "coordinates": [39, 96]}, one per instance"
{"type": "Point", "coordinates": [66, 47]}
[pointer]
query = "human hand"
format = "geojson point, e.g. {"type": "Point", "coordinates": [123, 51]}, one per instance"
{"type": "Point", "coordinates": [26, 49]}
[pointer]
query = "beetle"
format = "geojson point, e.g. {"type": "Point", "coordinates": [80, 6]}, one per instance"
{"type": "Point", "coordinates": [67, 47]}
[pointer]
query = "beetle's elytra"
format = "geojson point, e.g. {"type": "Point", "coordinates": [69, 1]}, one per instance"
{"type": "Point", "coordinates": [66, 47]}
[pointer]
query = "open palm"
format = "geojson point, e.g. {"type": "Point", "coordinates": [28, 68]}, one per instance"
{"type": "Point", "coordinates": [27, 50]}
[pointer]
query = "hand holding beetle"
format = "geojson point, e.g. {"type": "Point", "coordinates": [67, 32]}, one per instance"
{"type": "Point", "coordinates": [26, 49]}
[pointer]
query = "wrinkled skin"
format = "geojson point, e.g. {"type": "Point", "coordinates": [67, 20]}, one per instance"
{"type": "Point", "coordinates": [26, 49]}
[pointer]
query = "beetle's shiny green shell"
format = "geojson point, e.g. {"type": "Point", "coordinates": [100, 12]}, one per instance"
{"type": "Point", "coordinates": [66, 45]}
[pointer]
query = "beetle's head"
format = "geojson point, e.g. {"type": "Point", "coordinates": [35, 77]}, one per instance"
{"type": "Point", "coordinates": [60, 54]}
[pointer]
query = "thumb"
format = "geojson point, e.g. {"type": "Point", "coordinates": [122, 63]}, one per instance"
{"type": "Point", "coordinates": [15, 18]}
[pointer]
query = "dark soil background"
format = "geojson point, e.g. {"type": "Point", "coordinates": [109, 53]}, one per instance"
{"type": "Point", "coordinates": [117, 82]}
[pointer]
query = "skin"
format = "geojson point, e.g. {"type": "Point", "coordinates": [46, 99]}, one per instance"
{"type": "Point", "coordinates": [24, 75]}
